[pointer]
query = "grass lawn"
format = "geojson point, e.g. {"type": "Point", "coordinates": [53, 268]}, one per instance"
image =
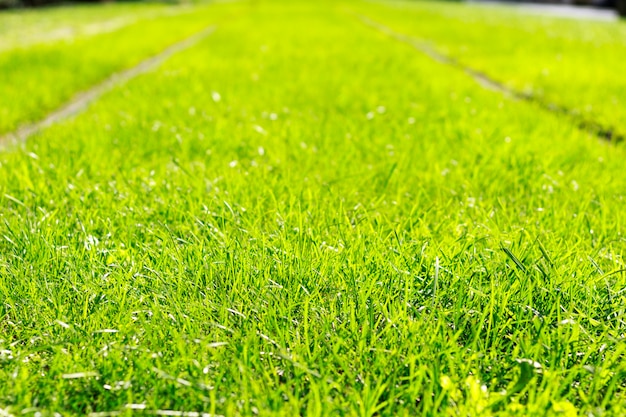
{"type": "Point", "coordinates": [576, 64]}
{"type": "Point", "coordinates": [47, 57]}
{"type": "Point", "coordinates": [303, 216]}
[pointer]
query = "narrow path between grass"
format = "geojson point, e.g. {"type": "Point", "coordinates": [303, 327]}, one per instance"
{"type": "Point", "coordinates": [423, 46]}
{"type": "Point", "coordinates": [82, 100]}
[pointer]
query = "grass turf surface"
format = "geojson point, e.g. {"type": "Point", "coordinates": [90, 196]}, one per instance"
{"type": "Point", "coordinates": [309, 217]}
{"type": "Point", "coordinates": [65, 53]}
{"type": "Point", "coordinates": [575, 64]}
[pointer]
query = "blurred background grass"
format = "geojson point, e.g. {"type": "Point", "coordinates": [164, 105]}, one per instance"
{"type": "Point", "coordinates": [9, 4]}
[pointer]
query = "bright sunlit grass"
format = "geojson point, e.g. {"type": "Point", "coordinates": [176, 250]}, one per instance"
{"type": "Point", "coordinates": [39, 75]}
{"type": "Point", "coordinates": [303, 216]}
{"type": "Point", "coordinates": [577, 64]}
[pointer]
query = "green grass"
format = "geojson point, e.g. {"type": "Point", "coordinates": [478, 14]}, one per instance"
{"type": "Point", "coordinates": [577, 64]}
{"type": "Point", "coordinates": [300, 215]}
{"type": "Point", "coordinates": [25, 27]}
{"type": "Point", "coordinates": [81, 50]}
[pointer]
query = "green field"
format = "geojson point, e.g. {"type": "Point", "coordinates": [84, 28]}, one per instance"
{"type": "Point", "coordinates": [302, 215]}
{"type": "Point", "coordinates": [578, 65]}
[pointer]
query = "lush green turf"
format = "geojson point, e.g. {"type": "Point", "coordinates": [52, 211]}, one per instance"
{"type": "Point", "coordinates": [577, 64]}
{"type": "Point", "coordinates": [24, 27]}
{"type": "Point", "coordinates": [301, 215]}
{"type": "Point", "coordinates": [67, 51]}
